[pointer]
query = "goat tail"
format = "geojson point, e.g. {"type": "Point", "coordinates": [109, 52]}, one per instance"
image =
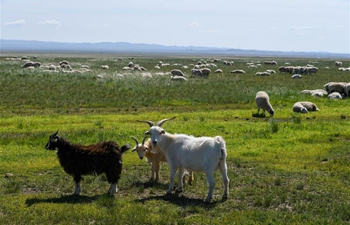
{"type": "Point", "coordinates": [124, 148]}
{"type": "Point", "coordinates": [221, 144]}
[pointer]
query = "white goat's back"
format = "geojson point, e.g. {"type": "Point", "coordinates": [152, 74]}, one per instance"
{"type": "Point", "coordinates": [196, 154]}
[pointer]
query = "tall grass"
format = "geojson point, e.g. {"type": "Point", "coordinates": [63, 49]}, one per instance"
{"type": "Point", "coordinates": [290, 169]}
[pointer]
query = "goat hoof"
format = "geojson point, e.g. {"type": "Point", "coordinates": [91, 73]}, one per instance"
{"type": "Point", "coordinates": [207, 200]}
{"type": "Point", "coordinates": [178, 190]}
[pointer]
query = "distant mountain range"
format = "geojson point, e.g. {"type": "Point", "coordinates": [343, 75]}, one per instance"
{"type": "Point", "coordinates": [148, 49]}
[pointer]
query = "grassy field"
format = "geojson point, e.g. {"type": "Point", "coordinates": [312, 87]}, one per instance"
{"type": "Point", "coordinates": [289, 169]}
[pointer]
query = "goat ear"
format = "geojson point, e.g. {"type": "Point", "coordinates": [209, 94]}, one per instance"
{"type": "Point", "coordinates": [147, 133]}
{"type": "Point", "coordinates": [162, 132]}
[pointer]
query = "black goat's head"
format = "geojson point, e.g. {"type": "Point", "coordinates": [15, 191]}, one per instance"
{"type": "Point", "coordinates": [52, 143]}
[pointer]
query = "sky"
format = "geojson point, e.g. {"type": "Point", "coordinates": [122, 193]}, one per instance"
{"type": "Point", "coordinates": [276, 25]}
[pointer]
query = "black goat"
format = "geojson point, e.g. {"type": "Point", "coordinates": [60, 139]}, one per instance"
{"type": "Point", "coordinates": [78, 160]}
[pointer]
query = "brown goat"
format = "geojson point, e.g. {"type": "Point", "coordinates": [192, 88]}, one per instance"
{"type": "Point", "coordinates": [78, 160]}
{"type": "Point", "coordinates": [154, 157]}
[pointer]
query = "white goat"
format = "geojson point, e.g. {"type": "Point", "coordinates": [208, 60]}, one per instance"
{"type": "Point", "coordinates": [153, 156]}
{"type": "Point", "coordinates": [185, 152]}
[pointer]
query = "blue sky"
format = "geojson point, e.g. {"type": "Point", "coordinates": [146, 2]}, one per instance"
{"type": "Point", "coordinates": [288, 25]}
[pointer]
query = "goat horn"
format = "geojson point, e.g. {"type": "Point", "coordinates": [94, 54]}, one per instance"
{"type": "Point", "coordinates": [137, 143]}
{"type": "Point", "coordinates": [55, 133]}
{"type": "Point", "coordinates": [143, 141]}
{"type": "Point", "coordinates": [159, 123]}
{"type": "Point", "coordinates": [150, 123]}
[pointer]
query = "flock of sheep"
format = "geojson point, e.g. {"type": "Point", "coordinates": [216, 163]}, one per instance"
{"type": "Point", "coordinates": [183, 153]}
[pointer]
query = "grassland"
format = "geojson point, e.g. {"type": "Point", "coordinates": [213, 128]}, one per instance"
{"type": "Point", "coordinates": [290, 169]}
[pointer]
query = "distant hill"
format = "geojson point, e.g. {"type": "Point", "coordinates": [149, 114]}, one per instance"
{"type": "Point", "coordinates": [125, 47]}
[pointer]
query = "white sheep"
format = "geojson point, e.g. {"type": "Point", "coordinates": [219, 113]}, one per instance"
{"type": "Point", "coordinates": [178, 78]}
{"type": "Point", "coordinates": [298, 107]}
{"type": "Point", "coordinates": [177, 72]}
{"type": "Point", "coordinates": [347, 89]}
{"type": "Point", "coordinates": [309, 70]}
{"type": "Point", "coordinates": [297, 76]}
{"type": "Point", "coordinates": [310, 106]}
{"type": "Point", "coordinates": [262, 73]}
{"type": "Point", "coordinates": [105, 67]}
{"type": "Point", "coordinates": [336, 87]}
{"type": "Point", "coordinates": [263, 102]}
{"type": "Point", "coordinates": [337, 63]}
{"type": "Point", "coordinates": [318, 93]}
{"type": "Point", "coordinates": [238, 71]}
{"type": "Point", "coordinates": [335, 96]}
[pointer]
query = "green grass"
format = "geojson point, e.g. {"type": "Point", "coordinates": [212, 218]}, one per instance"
{"type": "Point", "coordinates": [290, 169]}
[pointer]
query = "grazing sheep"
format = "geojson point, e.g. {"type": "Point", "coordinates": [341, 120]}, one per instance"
{"type": "Point", "coordinates": [218, 71]}
{"type": "Point", "coordinates": [27, 64]}
{"type": "Point", "coordinates": [153, 156]}
{"type": "Point", "coordinates": [105, 67]}
{"type": "Point", "coordinates": [335, 87]}
{"type": "Point", "coordinates": [238, 71]}
{"type": "Point", "coordinates": [310, 70]}
{"type": "Point", "coordinates": [262, 73]}
{"type": "Point", "coordinates": [178, 78]}
{"type": "Point", "coordinates": [176, 72]}
{"type": "Point", "coordinates": [298, 107]}
{"type": "Point", "coordinates": [63, 63]}
{"type": "Point", "coordinates": [66, 67]}
{"type": "Point", "coordinates": [126, 68]}
{"type": "Point", "coordinates": [347, 89]}
{"type": "Point", "coordinates": [270, 71]}
{"type": "Point", "coordinates": [271, 63]}
{"type": "Point", "coordinates": [190, 153]}
{"type": "Point", "coordinates": [263, 102]}
{"type": "Point", "coordinates": [337, 63]}
{"type": "Point", "coordinates": [78, 160]}
{"type": "Point", "coordinates": [335, 96]}
{"type": "Point", "coordinates": [344, 69]}
{"type": "Point", "coordinates": [201, 72]}
{"type": "Point", "coordinates": [297, 76]}
{"type": "Point", "coordinates": [205, 72]}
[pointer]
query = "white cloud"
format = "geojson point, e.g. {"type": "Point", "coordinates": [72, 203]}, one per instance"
{"type": "Point", "coordinates": [299, 28]}
{"type": "Point", "coordinates": [97, 25]}
{"type": "Point", "coordinates": [54, 23]}
{"type": "Point", "coordinates": [324, 38]}
{"type": "Point", "coordinates": [193, 25]}
{"type": "Point", "coordinates": [17, 23]}
{"type": "Point", "coordinates": [212, 31]}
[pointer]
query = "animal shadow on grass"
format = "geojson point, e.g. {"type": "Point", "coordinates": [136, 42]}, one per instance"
{"type": "Point", "coordinates": [181, 200]}
{"type": "Point", "coordinates": [178, 198]}
{"type": "Point", "coordinates": [72, 199]}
